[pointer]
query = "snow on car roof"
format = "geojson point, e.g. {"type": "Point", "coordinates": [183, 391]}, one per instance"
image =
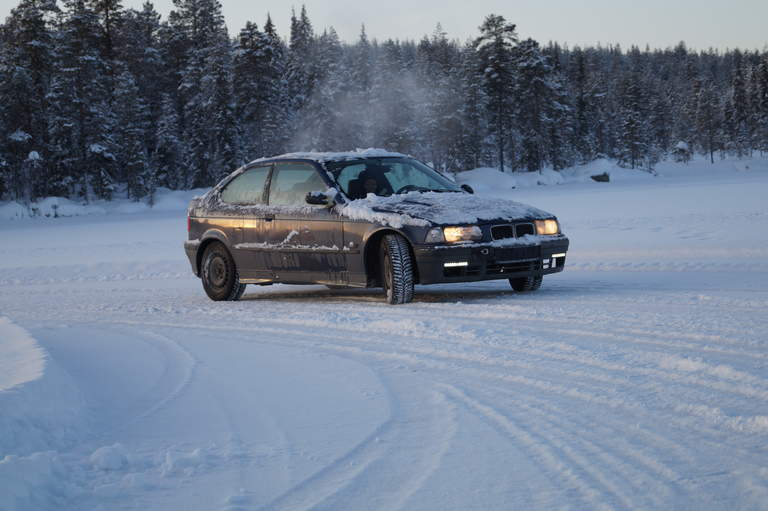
{"type": "Point", "coordinates": [336, 156]}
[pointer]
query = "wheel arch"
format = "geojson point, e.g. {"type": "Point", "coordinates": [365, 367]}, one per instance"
{"type": "Point", "coordinates": [371, 259]}
{"type": "Point", "coordinates": [207, 238]}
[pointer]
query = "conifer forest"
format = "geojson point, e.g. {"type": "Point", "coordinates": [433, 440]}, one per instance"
{"type": "Point", "coordinates": [97, 99]}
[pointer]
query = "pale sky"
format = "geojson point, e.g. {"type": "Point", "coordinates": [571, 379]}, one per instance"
{"type": "Point", "coordinates": [659, 23]}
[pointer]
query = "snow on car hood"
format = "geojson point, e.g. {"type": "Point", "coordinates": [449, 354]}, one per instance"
{"type": "Point", "coordinates": [436, 208]}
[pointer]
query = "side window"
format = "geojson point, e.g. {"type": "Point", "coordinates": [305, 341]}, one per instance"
{"type": "Point", "coordinates": [247, 188]}
{"type": "Point", "coordinates": [291, 182]}
{"type": "Point", "coordinates": [349, 173]}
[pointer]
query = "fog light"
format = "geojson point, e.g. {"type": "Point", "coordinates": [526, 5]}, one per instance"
{"type": "Point", "coordinates": [456, 264]}
{"type": "Point", "coordinates": [555, 256]}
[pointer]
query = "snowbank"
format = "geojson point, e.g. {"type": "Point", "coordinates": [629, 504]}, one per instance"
{"type": "Point", "coordinates": [40, 407]}
{"type": "Point", "coordinates": [491, 180]}
{"type": "Point", "coordinates": [33, 482]}
{"type": "Point", "coordinates": [21, 359]}
{"type": "Point", "coordinates": [54, 207]}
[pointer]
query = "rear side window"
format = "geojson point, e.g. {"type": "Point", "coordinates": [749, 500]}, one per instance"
{"type": "Point", "coordinates": [291, 182]}
{"type": "Point", "coordinates": [247, 188]}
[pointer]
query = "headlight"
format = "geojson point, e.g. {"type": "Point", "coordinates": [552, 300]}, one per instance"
{"type": "Point", "coordinates": [547, 227]}
{"type": "Point", "coordinates": [463, 233]}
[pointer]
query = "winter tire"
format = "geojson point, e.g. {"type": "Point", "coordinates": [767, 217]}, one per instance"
{"type": "Point", "coordinates": [396, 269]}
{"type": "Point", "coordinates": [219, 274]}
{"type": "Point", "coordinates": [525, 284]}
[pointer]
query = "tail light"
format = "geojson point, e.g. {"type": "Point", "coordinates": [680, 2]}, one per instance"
{"type": "Point", "coordinates": [189, 223]}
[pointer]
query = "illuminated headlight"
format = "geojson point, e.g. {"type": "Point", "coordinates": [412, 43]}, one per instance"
{"type": "Point", "coordinates": [547, 227]}
{"type": "Point", "coordinates": [462, 233]}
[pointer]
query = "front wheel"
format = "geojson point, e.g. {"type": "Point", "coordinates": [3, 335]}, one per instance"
{"type": "Point", "coordinates": [219, 274]}
{"type": "Point", "coordinates": [525, 284]}
{"type": "Point", "coordinates": [396, 269]}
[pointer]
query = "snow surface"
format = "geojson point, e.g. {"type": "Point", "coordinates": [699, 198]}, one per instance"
{"type": "Point", "coordinates": [636, 379]}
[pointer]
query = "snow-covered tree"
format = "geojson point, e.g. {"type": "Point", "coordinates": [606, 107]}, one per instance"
{"type": "Point", "coordinates": [81, 128]}
{"type": "Point", "coordinates": [494, 47]}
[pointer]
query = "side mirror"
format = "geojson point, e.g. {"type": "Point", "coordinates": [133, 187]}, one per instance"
{"type": "Point", "coordinates": [317, 199]}
{"type": "Point", "coordinates": [467, 188]}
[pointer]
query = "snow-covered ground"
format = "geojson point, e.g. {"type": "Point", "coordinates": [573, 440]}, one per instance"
{"type": "Point", "coordinates": [636, 379]}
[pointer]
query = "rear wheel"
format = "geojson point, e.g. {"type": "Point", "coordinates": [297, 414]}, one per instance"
{"type": "Point", "coordinates": [219, 274]}
{"type": "Point", "coordinates": [396, 269]}
{"type": "Point", "coordinates": [525, 284]}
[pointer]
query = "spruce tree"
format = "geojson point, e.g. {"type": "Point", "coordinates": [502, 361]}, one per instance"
{"type": "Point", "coordinates": [81, 121]}
{"type": "Point", "coordinates": [27, 58]}
{"type": "Point", "coordinates": [494, 47]}
{"type": "Point", "coordinates": [132, 125]}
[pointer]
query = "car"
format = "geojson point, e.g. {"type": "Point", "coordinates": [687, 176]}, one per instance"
{"type": "Point", "coordinates": [365, 219]}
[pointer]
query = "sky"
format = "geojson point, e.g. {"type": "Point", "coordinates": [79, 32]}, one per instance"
{"type": "Point", "coordinates": [659, 23]}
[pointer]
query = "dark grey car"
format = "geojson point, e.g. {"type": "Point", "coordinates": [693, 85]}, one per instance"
{"type": "Point", "coordinates": [362, 219]}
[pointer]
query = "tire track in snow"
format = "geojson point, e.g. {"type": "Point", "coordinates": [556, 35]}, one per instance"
{"type": "Point", "coordinates": [560, 466]}
{"type": "Point", "coordinates": [445, 360]}
{"type": "Point", "coordinates": [744, 386]}
{"type": "Point", "coordinates": [385, 469]}
{"type": "Point", "coordinates": [741, 383]}
{"type": "Point", "coordinates": [569, 434]}
{"type": "Point", "coordinates": [177, 380]}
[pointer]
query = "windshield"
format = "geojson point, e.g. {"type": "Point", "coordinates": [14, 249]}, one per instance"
{"type": "Point", "coordinates": [387, 176]}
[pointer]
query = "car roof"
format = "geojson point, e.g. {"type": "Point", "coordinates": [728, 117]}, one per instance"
{"type": "Point", "coordinates": [322, 157]}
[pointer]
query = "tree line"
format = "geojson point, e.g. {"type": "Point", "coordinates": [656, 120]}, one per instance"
{"type": "Point", "coordinates": [97, 99]}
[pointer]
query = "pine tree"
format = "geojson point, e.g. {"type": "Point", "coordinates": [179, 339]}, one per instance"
{"type": "Point", "coordinates": [167, 160]}
{"type": "Point", "coordinates": [138, 46]}
{"type": "Point", "coordinates": [81, 123]}
{"type": "Point", "coordinates": [584, 111]}
{"type": "Point", "coordinates": [301, 72]}
{"type": "Point", "coordinates": [26, 59]}
{"type": "Point", "coordinates": [132, 126]}
{"type": "Point", "coordinates": [761, 105]}
{"type": "Point", "coordinates": [632, 136]}
{"type": "Point", "coordinates": [473, 150]}
{"type": "Point", "coordinates": [736, 123]}
{"type": "Point", "coordinates": [205, 92]}
{"type": "Point", "coordinates": [392, 103]}
{"type": "Point", "coordinates": [541, 109]}
{"type": "Point", "coordinates": [707, 120]}
{"type": "Point", "coordinates": [323, 118]}
{"type": "Point", "coordinates": [275, 125]}
{"type": "Point", "coordinates": [494, 47]}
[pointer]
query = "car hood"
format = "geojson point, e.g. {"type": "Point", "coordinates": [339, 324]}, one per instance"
{"type": "Point", "coordinates": [434, 208]}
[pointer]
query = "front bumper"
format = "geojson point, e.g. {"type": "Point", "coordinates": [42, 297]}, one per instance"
{"type": "Point", "coordinates": [468, 263]}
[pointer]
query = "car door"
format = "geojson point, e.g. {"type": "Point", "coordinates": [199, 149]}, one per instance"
{"type": "Point", "coordinates": [248, 192]}
{"type": "Point", "coordinates": [307, 240]}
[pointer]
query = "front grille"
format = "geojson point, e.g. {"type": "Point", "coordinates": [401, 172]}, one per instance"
{"type": "Point", "coordinates": [500, 232]}
{"type": "Point", "coordinates": [505, 231]}
{"type": "Point", "coordinates": [523, 229]}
